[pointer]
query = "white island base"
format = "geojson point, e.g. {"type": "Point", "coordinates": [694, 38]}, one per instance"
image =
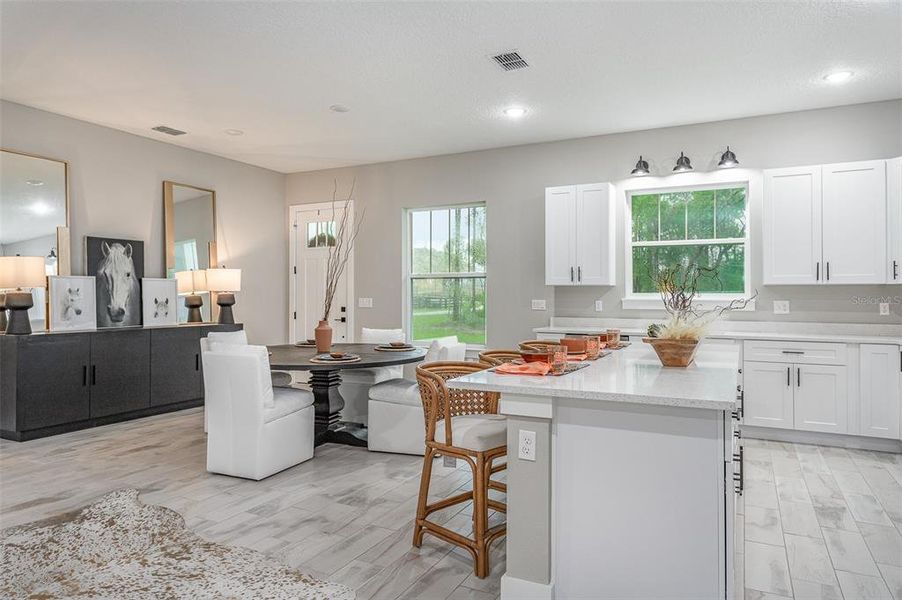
{"type": "Point", "coordinates": [631, 494]}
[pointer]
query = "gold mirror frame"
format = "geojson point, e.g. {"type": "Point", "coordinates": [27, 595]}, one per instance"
{"type": "Point", "coordinates": [63, 249]}
{"type": "Point", "coordinates": [169, 218]}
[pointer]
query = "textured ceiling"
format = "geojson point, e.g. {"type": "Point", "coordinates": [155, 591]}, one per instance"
{"type": "Point", "coordinates": [418, 78]}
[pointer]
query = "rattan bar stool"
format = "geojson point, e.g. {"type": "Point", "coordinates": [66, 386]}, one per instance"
{"type": "Point", "coordinates": [463, 424]}
{"type": "Point", "coordinates": [538, 344]}
{"type": "Point", "coordinates": [497, 357]}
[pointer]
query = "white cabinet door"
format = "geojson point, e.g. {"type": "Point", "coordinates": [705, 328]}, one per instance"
{"type": "Point", "coordinates": [821, 398]}
{"type": "Point", "coordinates": [854, 222]}
{"type": "Point", "coordinates": [560, 235]}
{"type": "Point", "coordinates": [767, 394]}
{"type": "Point", "coordinates": [894, 220]}
{"type": "Point", "coordinates": [879, 391]}
{"type": "Point", "coordinates": [595, 234]}
{"type": "Point", "coordinates": [792, 226]}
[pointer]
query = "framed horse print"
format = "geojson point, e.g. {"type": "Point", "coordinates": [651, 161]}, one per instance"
{"type": "Point", "coordinates": [159, 297]}
{"type": "Point", "coordinates": [72, 303]}
{"type": "Point", "coordinates": [118, 266]}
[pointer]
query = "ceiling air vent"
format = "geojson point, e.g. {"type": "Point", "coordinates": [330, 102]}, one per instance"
{"type": "Point", "coordinates": [510, 61]}
{"type": "Point", "coordinates": [169, 130]}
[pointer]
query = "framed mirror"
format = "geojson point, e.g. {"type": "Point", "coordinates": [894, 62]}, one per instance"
{"type": "Point", "coordinates": [34, 217]}
{"type": "Point", "coordinates": [190, 216]}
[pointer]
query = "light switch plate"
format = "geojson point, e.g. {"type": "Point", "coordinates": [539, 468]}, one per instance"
{"type": "Point", "coordinates": [538, 304]}
{"type": "Point", "coordinates": [781, 307]}
{"type": "Point", "coordinates": [527, 445]}
{"type": "Point", "coordinates": [364, 303]}
{"type": "Point", "coordinates": [599, 306]}
{"type": "Point", "coordinates": [884, 309]}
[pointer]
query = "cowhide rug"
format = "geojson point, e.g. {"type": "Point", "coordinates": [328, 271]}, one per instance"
{"type": "Point", "coordinates": [119, 548]}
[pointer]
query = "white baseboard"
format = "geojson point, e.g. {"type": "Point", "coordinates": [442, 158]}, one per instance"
{"type": "Point", "coordinates": [839, 440]}
{"type": "Point", "coordinates": [513, 588]}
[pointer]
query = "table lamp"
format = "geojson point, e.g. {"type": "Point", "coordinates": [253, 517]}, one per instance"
{"type": "Point", "coordinates": [17, 272]}
{"type": "Point", "coordinates": [226, 282]}
{"type": "Point", "coordinates": [189, 284]}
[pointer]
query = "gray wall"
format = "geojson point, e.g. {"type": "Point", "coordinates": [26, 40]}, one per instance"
{"type": "Point", "coordinates": [116, 189]}
{"type": "Point", "coordinates": [511, 182]}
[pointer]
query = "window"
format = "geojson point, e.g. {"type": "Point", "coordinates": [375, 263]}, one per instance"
{"type": "Point", "coordinates": [703, 226]}
{"type": "Point", "coordinates": [320, 234]}
{"type": "Point", "coordinates": [446, 276]}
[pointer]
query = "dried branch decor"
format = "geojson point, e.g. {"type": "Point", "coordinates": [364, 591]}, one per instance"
{"type": "Point", "coordinates": [345, 235]}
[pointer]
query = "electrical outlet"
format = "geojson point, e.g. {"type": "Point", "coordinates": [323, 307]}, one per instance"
{"type": "Point", "coordinates": [781, 307]}
{"type": "Point", "coordinates": [599, 306]}
{"type": "Point", "coordinates": [884, 309]}
{"type": "Point", "coordinates": [538, 305]}
{"type": "Point", "coordinates": [364, 303]}
{"type": "Point", "coordinates": [527, 445]}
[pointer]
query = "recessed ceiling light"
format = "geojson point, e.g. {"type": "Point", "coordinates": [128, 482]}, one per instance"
{"type": "Point", "coordinates": [234, 132]}
{"type": "Point", "coordinates": [35, 182]}
{"type": "Point", "coordinates": [515, 112]}
{"type": "Point", "coordinates": [838, 77]}
{"type": "Point", "coordinates": [341, 108]}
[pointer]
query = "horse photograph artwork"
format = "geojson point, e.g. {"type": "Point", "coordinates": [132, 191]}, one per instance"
{"type": "Point", "coordinates": [159, 299]}
{"type": "Point", "coordinates": [118, 266]}
{"type": "Point", "coordinates": [72, 303]}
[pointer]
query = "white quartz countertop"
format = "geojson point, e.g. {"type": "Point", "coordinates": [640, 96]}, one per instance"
{"type": "Point", "coordinates": [633, 374]}
{"type": "Point", "coordinates": [742, 335]}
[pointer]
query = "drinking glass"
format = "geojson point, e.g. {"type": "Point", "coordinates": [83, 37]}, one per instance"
{"type": "Point", "coordinates": [613, 337]}
{"type": "Point", "coordinates": [558, 359]}
{"type": "Point", "coordinates": [593, 343]}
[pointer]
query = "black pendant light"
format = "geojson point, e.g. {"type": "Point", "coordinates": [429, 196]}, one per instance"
{"type": "Point", "coordinates": [727, 160]}
{"type": "Point", "coordinates": [682, 164]}
{"type": "Point", "coordinates": [641, 168]}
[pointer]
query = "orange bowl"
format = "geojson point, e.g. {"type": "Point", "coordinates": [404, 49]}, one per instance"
{"type": "Point", "coordinates": [536, 356]}
{"type": "Point", "coordinates": [574, 345]}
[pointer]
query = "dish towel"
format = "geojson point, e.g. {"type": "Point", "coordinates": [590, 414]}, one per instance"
{"type": "Point", "coordinates": [533, 368]}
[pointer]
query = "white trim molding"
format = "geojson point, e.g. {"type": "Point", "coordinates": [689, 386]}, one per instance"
{"type": "Point", "coordinates": [513, 588]}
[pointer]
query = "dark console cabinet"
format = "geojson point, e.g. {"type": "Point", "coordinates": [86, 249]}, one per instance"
{"type": "Point", "coordinates": [56, 382]}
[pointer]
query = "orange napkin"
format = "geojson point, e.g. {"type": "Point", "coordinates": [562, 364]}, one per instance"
{"type": "Point", "coordinates": [532, 368]}
{"type": "Point", "coordinates": [576, 357]}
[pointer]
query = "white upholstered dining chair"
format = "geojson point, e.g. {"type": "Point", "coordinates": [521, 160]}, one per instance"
{"type": "Point", "coordinates": [356, 383]}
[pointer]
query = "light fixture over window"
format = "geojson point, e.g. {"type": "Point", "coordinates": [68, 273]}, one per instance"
{"type": "Point", "coordinates": [682, 164]}
{"type": "Point", "coordinates": [728, 160]}
{"type": "Point", "coordinates": [641, 169]}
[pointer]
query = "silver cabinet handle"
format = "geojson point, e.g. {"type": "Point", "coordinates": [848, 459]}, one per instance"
{"type": "Point", "coordinates": [793, 352]}
{"type": "Point", "coordinates": [571, 274]}
{"type": "Point", "coordinates": [798, 377]}
{"type": "Point", "coordinates": [817, 276]}
{"type": "Point", "coordinates": [895, 269]}
{"type": "Point", "coordinates": [788, 377]}
{"type": "Point", "coordinates": [828, 270]}
{"type": "Point", "coordinates": [579, 274]}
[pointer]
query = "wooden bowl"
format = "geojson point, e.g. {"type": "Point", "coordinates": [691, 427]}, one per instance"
{"type": "Point", "coordinates": [536, 356]}
{"type": "Point", "coordinates": [337, 354]}
{"type": "Point", "coordinates": [574, 345]}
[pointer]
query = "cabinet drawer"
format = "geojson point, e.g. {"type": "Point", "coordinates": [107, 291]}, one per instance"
{"type": "Point", "coordinates": [801, 353]}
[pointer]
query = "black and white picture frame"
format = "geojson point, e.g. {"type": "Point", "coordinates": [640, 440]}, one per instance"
{"type": "Point", "coordinates": [72, 303]}
{"type": "Point", "coordinates": [118, 266]}
{"type": "Point", "coordinates": [159, 298]}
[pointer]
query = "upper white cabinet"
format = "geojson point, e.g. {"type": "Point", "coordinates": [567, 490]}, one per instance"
{"type": "Point", "coordinates": [894, 220]}
{"type": "Point", "coordinates": [826, 224]}
{"type": "Point", "coordinates": [579, 235]}
{"type": "Point", "coordinates": [880, 383]}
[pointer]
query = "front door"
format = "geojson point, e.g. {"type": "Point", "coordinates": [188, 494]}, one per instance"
{"type": "Point", "coordinates": [315, 230]}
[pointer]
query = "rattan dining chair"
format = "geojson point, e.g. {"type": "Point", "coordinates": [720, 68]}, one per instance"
{"type": "Point", "coordinates": [538, 344]}
{"type": "Point", "coordinates": [462, 424]}
{"type": "Point", "coordinates": [497, 357]}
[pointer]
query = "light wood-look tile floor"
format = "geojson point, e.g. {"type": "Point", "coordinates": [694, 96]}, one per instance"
{"type": "Point", "coordinates": [815, 522]}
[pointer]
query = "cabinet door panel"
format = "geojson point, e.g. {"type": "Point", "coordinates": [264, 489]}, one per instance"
{"type": "Point", "coordinates": [52, 379]}
{"type": "Point", "coordinates": [894, 222]}
{"type": "Point", "coordinates": [120, 372]}
{"type": "Point", "coordinates": [175, 374]}
{"type": "Point", "coordinates": [560, 235]}
{"type": "Point", "coordinates": [879, 391]}
{"type": "Point", "coordinates": [854, 222]}
{"type": "Point", "coordinates": [767, 389]}
{"type": "Point", "coordinates": [821, 398]}
{"type": "Point", "coordinates": [792, 226]}
{"type": "Point", "coordinates": [595, 234]}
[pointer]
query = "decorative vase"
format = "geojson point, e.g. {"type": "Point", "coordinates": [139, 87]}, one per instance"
{"type": "Point", "coordinates": [323, 336]}
{"type": "Point", "coordinates": [673, 352]}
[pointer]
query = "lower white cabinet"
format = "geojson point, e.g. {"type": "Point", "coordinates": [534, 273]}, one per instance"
{"type": "Point", "coordinates": [767, 389]}
{"type": "Point", "coordinates": [820, 398]}
{"type": "Point", "coordinates": [881, 373]}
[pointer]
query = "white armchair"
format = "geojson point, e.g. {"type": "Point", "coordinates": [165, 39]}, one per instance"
{"type": "Point", "coordinates": [396, 421]}
{"type": "Point", "coordinates": [356, 383]}
{"type": "Point", "coordinates": [255, 430]}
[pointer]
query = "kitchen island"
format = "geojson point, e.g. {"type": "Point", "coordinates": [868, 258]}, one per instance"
{"type": "Point", "coordinates": [627, 490]}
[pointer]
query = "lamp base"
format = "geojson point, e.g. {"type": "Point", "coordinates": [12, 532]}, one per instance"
{"type": "Point", "coordinates": [193, 304]}
{"type": "Point", "coordinates": [18, 303]}
{"type": "Point", "coordinates": [225, 302]}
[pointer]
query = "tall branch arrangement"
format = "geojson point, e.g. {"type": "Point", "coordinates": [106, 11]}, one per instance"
{"type": "Point", "coordinates": [345, 235]}
{"type": "Point", "coordinates": [679, 288]}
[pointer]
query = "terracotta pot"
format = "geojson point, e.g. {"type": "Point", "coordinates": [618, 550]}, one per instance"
{"type": "Point", "coordinates": [673, 353]}
{"type": "Point", "coordinates": [323, 335]}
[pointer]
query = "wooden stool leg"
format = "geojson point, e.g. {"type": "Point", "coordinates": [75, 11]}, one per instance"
{"type": "Point", "coordinates": [424, 497]}
{"type": "Point", "coordinates": [480, 510]}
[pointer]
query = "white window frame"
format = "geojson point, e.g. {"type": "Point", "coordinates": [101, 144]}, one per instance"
{"type": "Point", "coordinates": [407, 277]}
{"type": "Point", "coordinates": [697, 182]}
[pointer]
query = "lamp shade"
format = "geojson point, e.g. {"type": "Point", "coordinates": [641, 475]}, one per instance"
{"type": "Point", "coordinates": [22, 272]}
{"type": "Point", "coordinates": [682, 164]}
{"type": "Point", "coordinates": [224, 280]}
{"type": "Point", "coordinates": [641, 168]}
{"type": "Point", "coordinates": [728, 159]}
{"type": "Point", "coordinates": [191, 282]}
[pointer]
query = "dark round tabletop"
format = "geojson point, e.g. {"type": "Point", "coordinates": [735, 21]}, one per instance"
{"type": "Point", "coordinates": [289, 357]}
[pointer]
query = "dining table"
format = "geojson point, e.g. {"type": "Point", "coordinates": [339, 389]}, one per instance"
{"type": "Point", "coordinates": [326, 377]}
